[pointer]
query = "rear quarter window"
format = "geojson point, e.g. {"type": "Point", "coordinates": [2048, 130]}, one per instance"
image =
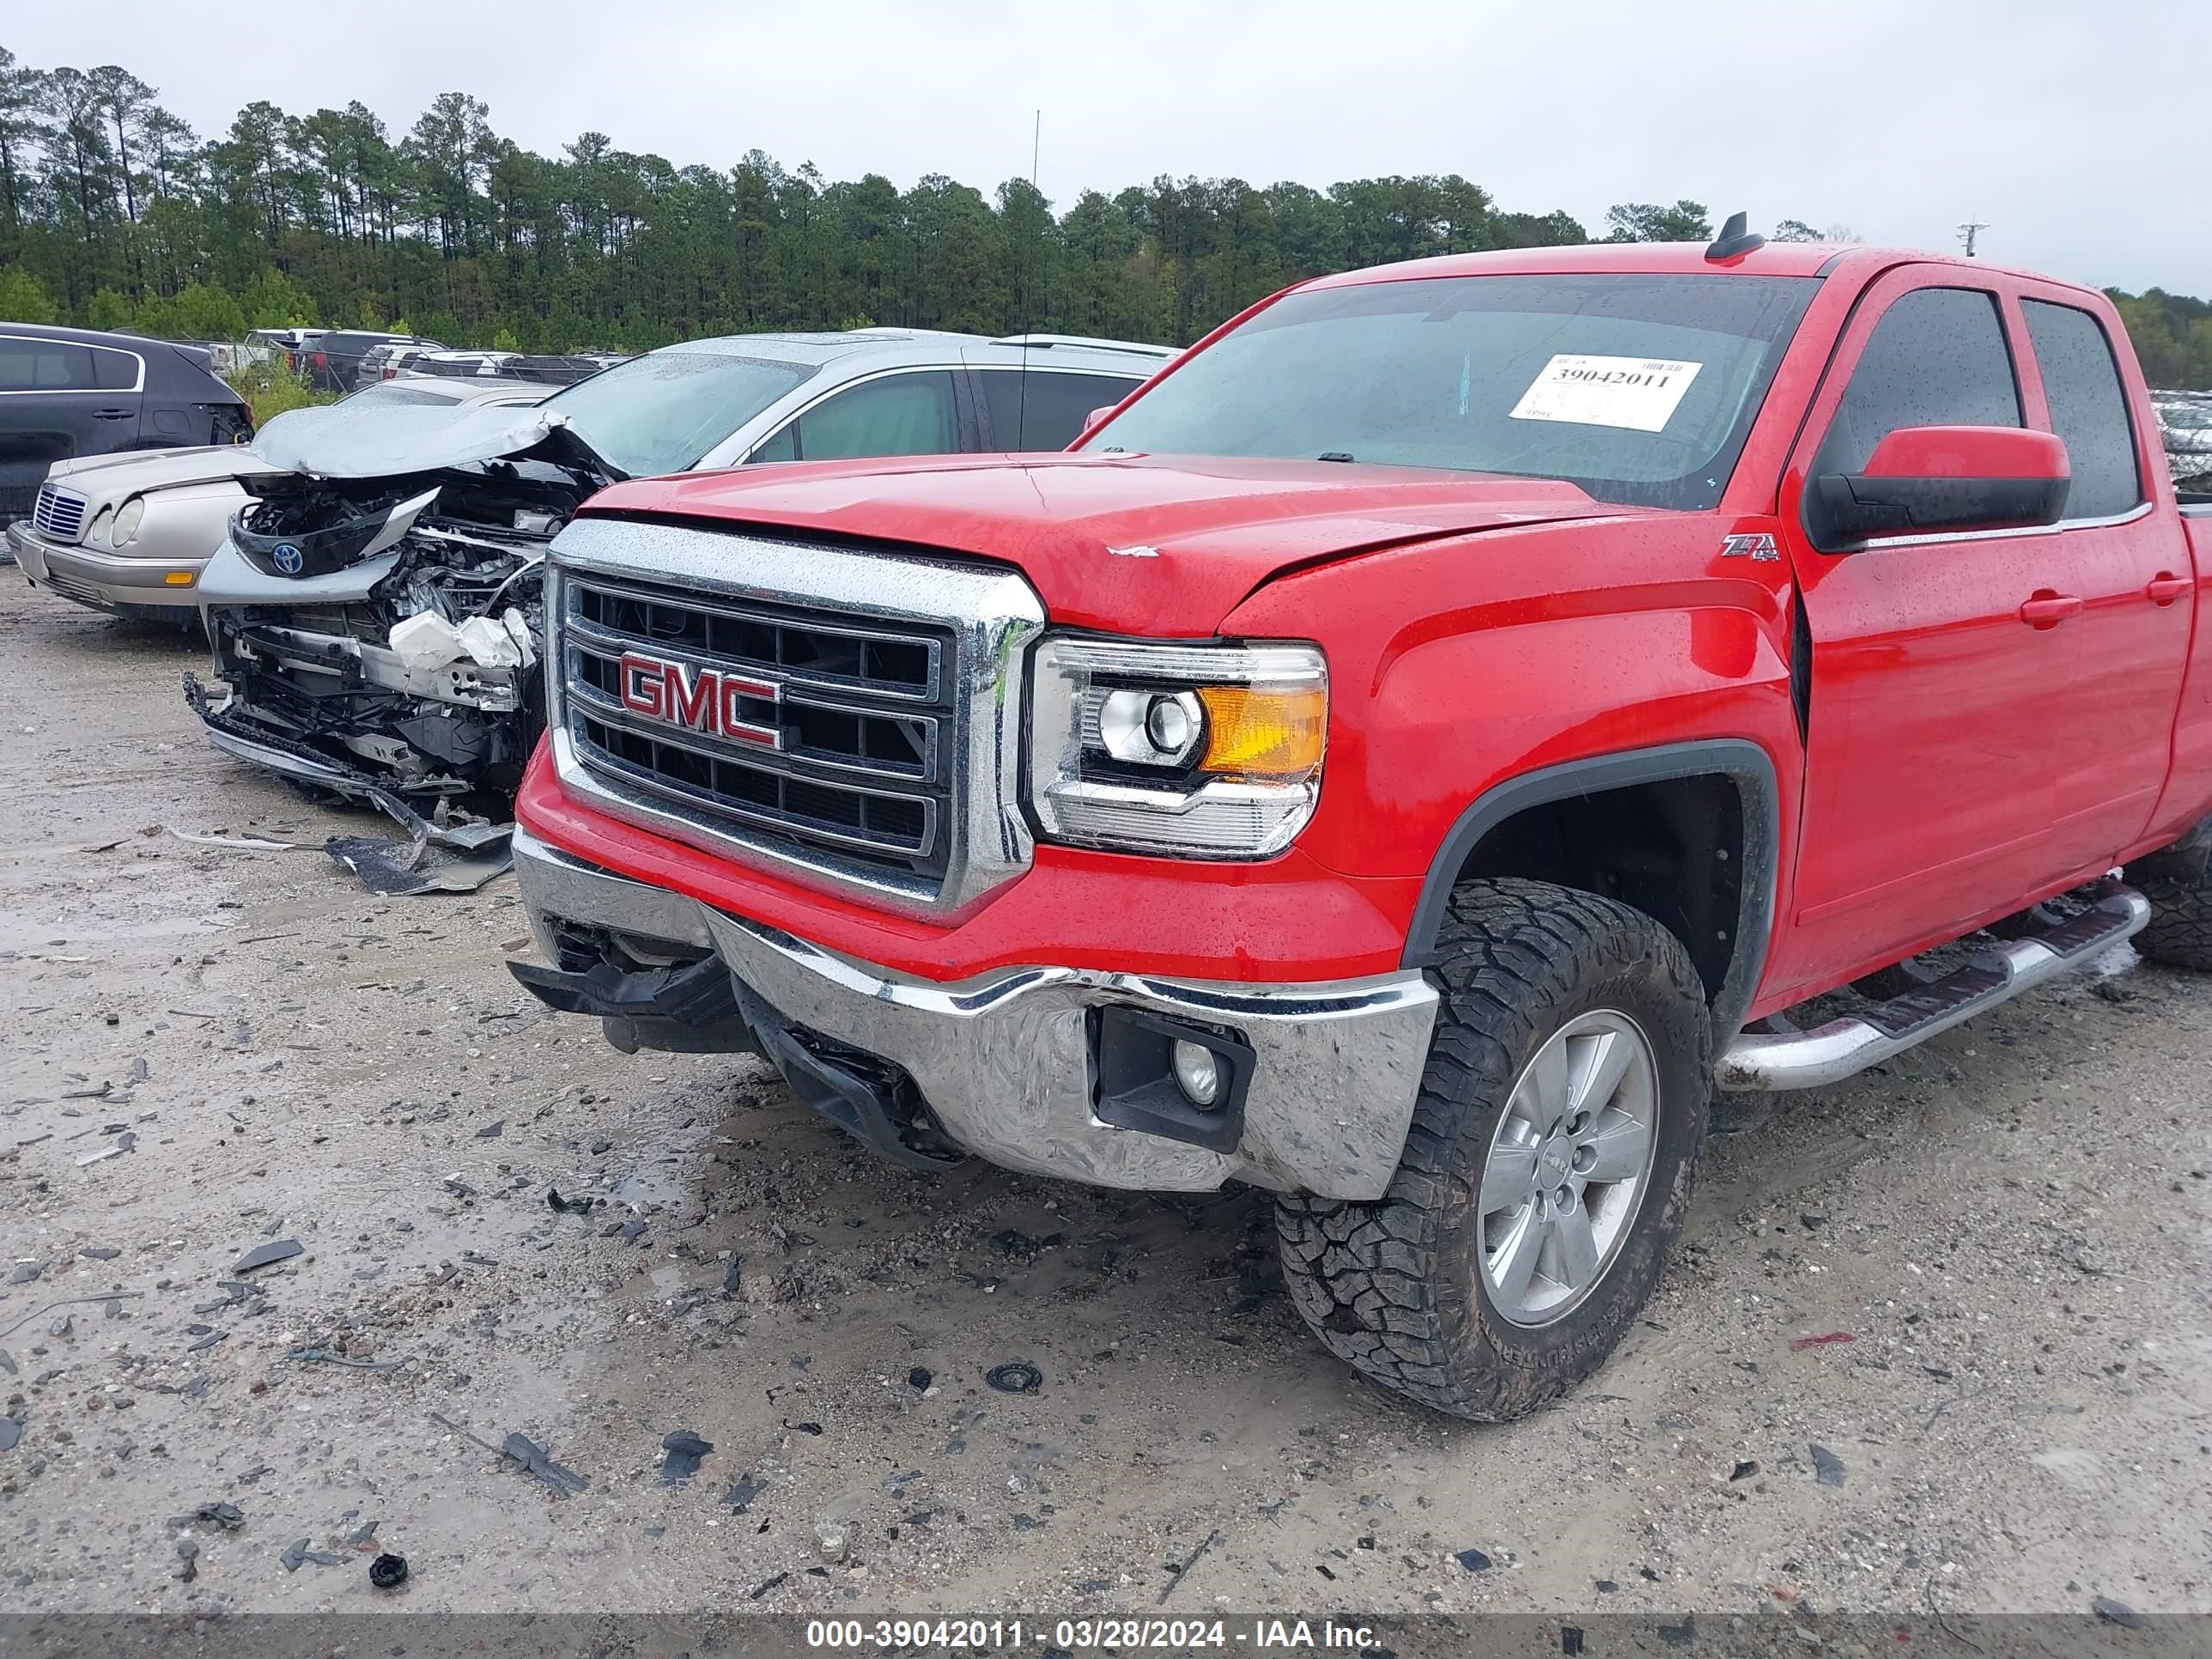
{"type": "Point", "coordinates": [2088, 408]}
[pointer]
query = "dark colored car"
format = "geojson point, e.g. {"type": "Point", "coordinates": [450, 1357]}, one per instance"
{"type": "Point", "coordinates": [332, 362]}
{"type": "Point", "coordinates": [70, 391]}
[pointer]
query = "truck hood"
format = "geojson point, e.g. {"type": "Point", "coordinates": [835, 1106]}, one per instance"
{"type": "Point", "coordinates": [393, 441]}
{"type": "Point", "coordinates": [1166, 545]}
{"type": "Point", "coordinates": [135, 471]}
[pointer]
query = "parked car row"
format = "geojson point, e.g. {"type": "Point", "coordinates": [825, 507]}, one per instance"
{"type": "Point", "coordinates": [67, 392]}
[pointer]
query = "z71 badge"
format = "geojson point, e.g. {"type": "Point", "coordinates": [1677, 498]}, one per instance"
{"type": "Point", "coordinates": [1759, 549]}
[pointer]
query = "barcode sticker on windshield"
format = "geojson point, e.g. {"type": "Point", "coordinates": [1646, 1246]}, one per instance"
{"type": "Point", "coordinates": [1639, 393]}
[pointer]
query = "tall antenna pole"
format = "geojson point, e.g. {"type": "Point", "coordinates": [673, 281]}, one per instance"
{"type": "Point", "coordinates": [1029, 281]}
{"type": "Point", "coordinates": [1967, 234]}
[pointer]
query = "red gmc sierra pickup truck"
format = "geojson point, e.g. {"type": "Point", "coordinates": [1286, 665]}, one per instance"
{"type": "Point", "coordinates": [1405, 756]}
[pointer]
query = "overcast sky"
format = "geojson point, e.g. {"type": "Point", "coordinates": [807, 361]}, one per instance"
{"type": "Point", "coordinates": [2080, 131]}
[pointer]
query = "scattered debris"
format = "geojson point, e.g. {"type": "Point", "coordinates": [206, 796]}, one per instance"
{"type": "Point", "coordinates": [1745, 1469]}
{"type": "Point", "coordinates": [325, 1357]}
{"type": "Point", "coordinates": [297, 1554]}
{"type": "Point", "coordinates": [1827, 1468]}
{"type": "Point", "coordinates": [531, 1456]}
{"type": "Point", "coordinates": [1016, 1377]}
{"type": "Point", "coordinates": [11, 1431]}
{"type": "Point", "coordinates": [830, 1536]}
{"type": "Point", "coordinates": [22, 1319]}
{"type": "Point", "coordinates": [804, 1428]}
{"type": "Point", "coordinates": [388, 1571]}
{"type": "Point", "coordinates": [684, 1451]}
{"type": "Point", "coordinates": [1828, 1339]}
{"type": "Point", "coordinates": [267, 1256]}
{"type": "Point", "coordinates": [1473, 1560]}
{"type": "Point", "coordinates": [228, 1516]}
{"type": "Point", "coordinates": [1177, 1574]}
{"type": "Point", "coordinates": [396, 869]}
{"type": "Point", "coordinates": [918, 1379]}
{"type": "Point", "coordinates": [233, 843]}
{"type": "Point", "coordinates": [2118, 1613]}
{"type": "Point", "coordinates": [492, 1131]}
{"type": "Point", "coordinates": [188, 1554]}
{"type": "Point", "coordinates": [742, 1492]}
{"type": "Point", "coordinates": [569, 1206]}
{"type": "Point", "coordinates": [768, 1584]}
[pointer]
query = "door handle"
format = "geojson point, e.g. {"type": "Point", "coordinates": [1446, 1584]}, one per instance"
{"type": "Point", "coordinates": [112, 414]}
{"type": "Point", "coordinates": [2048, 610]}
{"type": "Point", "coordinates": [2166, 588]}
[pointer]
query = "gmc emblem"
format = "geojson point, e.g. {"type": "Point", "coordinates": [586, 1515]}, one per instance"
{"type": "Point", "coordinates": [698, 699]}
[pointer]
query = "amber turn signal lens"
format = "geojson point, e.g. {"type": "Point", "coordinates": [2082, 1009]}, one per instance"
{"type": "Point", "coordinates": [179, 578]}
{"type": "Point", "coordinates": [1258, 731]}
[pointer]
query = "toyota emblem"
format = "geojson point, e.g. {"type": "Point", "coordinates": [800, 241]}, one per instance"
{"type": "Point", "coordinates": [288, 558]}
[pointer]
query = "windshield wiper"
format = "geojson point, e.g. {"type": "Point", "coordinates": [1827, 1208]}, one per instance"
{"type": "Point", "coordinates": [1334, 455]}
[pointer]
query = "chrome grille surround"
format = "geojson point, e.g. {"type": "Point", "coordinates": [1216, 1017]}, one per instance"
{"type": "Point", "coordinates": [925, 830]}
{"type": "Point", "coordinates": [58, 515]}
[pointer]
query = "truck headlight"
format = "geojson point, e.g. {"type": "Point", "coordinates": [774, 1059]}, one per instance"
{"type": "Point", "coordinates": [1207, 751]}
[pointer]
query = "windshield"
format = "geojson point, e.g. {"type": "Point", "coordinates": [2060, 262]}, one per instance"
{"type": "Point", "coordinates": [660, 413]}
{"type": "Point", "coordinates": [1639, 388]}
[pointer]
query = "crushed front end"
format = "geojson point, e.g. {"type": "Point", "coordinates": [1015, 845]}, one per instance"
{"type": "Point", "coordinates": [381, 637]}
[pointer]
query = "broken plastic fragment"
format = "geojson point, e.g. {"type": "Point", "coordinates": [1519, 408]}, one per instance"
{"type": "Point", "coordinates": [1018, 1376]}
{"type": "Point", "coordinates": [526, 1452]}
{"type": "Point", "coordinates": [388, 1571]}
{"type": "Point", "coordinates": [266, 1255]}
{"type": "Point", "coordinates": [684, 1451]}
{"type": "Point", "coordinates": [228, 1516]}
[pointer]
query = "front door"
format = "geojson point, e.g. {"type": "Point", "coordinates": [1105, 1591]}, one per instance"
{"type": "Point", "coordinates": [1938, 718]}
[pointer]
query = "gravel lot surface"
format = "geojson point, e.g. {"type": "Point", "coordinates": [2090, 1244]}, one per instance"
{"type": "Point", "coordinates": [1940, 1340]}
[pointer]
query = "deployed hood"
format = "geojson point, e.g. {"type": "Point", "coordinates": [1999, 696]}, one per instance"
{"type": "Point", "coordinates": [1166, 544]}
{"type": "Point", "coordinates": [135, 471]}
{"type": "Point", "coordinates": [383, 441]}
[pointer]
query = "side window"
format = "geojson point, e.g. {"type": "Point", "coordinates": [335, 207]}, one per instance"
{"type": "Point", "coordinates": [44, 365]}
{"type": "Point", "coordinates": [1936, 358]}
{"type": "Point", "coordinates": [897, 414]}
{"type": "Point", "coordinates": [114, 371]}
{"type": "Point", "coordinates": [2088, 409]}
{"type": "Point", "coordinates": [1051, 410]}
{"type": "Point", "coordinates": [783, 446]}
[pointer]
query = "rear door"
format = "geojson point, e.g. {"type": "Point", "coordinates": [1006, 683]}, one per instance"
{"type": "Point", "coordinates": [58, 399]}
{"type": "Point", "coordinates": [2129, 566]}
{"type": "Point", "coordinates": [1938, 721]}
{"type": "Point", "coordinates": [1042, 409]}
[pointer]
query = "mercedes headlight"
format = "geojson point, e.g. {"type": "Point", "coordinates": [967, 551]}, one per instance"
{"type": "Point", "coordinates": [126, 522]}
{"type": "Point", "coordinates": [1207, 751]}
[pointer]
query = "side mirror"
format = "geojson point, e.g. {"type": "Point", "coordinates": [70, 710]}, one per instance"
{"type": "Point", "coordinates": [1923, 480]}
{"type": "Point", "coordinates": [1098, 414]}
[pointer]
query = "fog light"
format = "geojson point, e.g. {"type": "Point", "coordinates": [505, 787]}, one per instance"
{"type": "Point", "coordinates": [1197, 1073]}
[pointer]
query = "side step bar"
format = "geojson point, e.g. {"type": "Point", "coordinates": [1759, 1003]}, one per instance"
{"type": "Point", "coordinates": [1810, 1060]}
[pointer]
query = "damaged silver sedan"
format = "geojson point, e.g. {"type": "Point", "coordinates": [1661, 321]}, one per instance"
{"type": "Point", "coordinates": [376, 615]}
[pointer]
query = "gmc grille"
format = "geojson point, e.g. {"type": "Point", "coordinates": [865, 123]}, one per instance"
{"type": "Point", "coordinates": [862, 715]}
{"type": "Point", "coordinates": [848, 717]}
{"type": "Point", "coordinates": [58, 515]}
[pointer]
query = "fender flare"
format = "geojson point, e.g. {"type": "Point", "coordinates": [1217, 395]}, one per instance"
{"type": "Point", "coordinates": [1743, 762]}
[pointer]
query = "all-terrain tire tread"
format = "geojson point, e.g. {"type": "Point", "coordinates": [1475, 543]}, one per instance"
{"type": "Point", "coordinates": [1509, 947]}
{"type": "Point", "coordinates": [2179, 932]}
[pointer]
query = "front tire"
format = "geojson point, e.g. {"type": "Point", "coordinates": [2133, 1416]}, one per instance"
{"type": "Point", "coordinates": [1550, 1158]}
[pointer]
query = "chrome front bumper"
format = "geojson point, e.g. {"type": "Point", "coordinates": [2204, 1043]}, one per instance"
{"type": "Point", "coordinates": [105, 582]}
{"type": "Point", "coordinates": [1004, 1060]}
